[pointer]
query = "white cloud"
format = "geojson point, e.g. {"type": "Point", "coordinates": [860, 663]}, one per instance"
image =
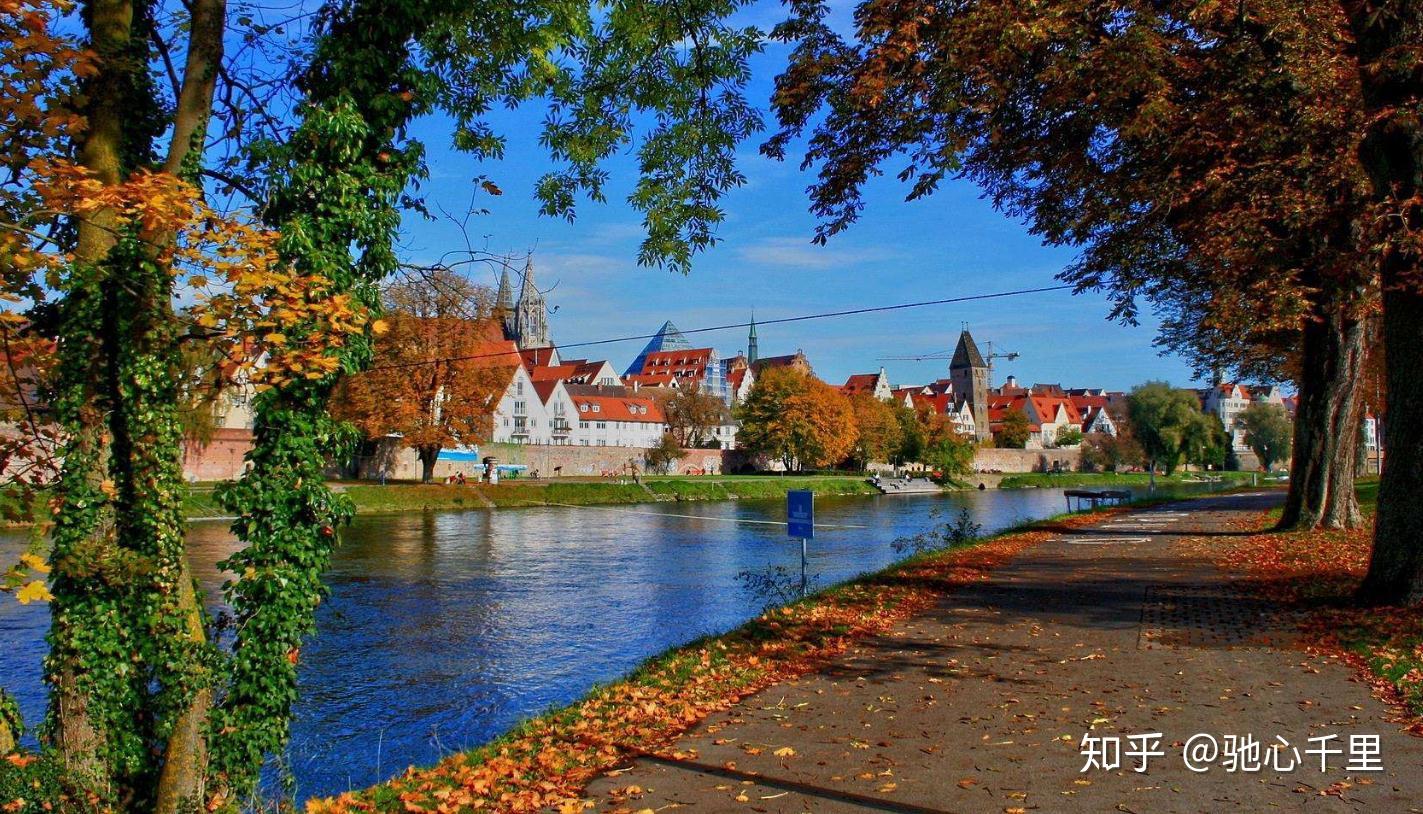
{"type": "Point", "coordinates": [800, 253]}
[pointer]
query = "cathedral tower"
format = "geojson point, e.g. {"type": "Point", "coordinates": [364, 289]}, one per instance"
{"type": "Point", "coordinates": [530, 314]}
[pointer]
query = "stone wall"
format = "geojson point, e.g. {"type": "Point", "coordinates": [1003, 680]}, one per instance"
{"type": "Point", "coordinates": [992, 459]}
{"type": "Point", "coordinates": [220, 459]}
{"type": "Point", "coordinates": [399, 463]}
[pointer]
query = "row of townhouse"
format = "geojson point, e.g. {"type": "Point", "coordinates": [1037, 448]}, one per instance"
{"type": "Point", "coordinates": [576, 403]}
{"type": "Point", "coordinates": [1227, 400]}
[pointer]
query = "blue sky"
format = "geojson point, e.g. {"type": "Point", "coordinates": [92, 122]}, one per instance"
{"type": "Point", "coordinates": [950, 245]}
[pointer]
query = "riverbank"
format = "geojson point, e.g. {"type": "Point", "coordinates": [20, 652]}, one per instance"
{"type": "Point", "coordinates": [391, 498]}
{"type": "Point", "coordinates": [1072, 480]}
{"type": "Point", "coordinates": [549, 760]}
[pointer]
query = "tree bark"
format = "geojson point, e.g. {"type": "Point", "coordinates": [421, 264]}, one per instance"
{"type": "Point", "coordinates": [1387, 33]}
{"type": "Point", "coordinates": [1327, 423]}
{"type": "Point", "coordinates": [428, 456]}
{"type": "Point", "coordinates": [182, 781]}
{"type": "Point", "coordinates": [1395, 574]}
{"type": "Point", "coordinates": [79, 739]}
{"type": "Point", "coordinates": [183, 778]}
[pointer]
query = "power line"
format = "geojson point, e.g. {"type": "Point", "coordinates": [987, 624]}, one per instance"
{"type": "Point", "coordinates": [780, 321]}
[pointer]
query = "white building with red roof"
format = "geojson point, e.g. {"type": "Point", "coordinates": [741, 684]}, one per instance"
{"type": "Point", "coordinates": [618, 420]}
{"type": "Point", "coordinates": [869, 384]}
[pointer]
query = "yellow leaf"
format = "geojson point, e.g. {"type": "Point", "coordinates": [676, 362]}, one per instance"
{"type": "Point", "coordinates": [784, 751]}
{"type": "Point", "coordinates": [380, 327]}
{"type": "Point", "coordinates": [35, 591]}
{"type": "Point", "coordinates": [34, 563]}
{"type": "Point", "coordinates": [275, 339]}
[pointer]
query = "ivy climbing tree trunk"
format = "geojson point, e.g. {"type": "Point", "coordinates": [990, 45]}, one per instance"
{"type": "Point", "coordinates": [83, 611]}
{"type": "Point", "coordinates": [1322, 470]}
{"type": "Point", "coordinates": [360, 93]}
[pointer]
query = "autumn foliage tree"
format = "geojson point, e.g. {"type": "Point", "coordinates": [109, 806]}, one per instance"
{"type": "Point", "coordinates": [106, 223]}
{"type": "Point", "coordinates": [879, 437]}
{"type": "Point", "coordinates": [1255, 159]}
{"type": "Point", "coordinates": [692, 416]}
{"type": "Point", "coordinates": [439, 368]}
{"type": "Point", "coordinates": [797, 419]}
{"type": "Point", "coordinates": [945, 450]}
{"type": "Point", "coordinates": [1014, 431]}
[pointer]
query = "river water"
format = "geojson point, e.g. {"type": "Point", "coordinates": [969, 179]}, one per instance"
{"type": "Point", "coordinates": [445, 629]}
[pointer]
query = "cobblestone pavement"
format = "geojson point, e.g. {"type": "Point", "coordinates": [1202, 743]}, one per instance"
{"type": "Point", "coordinates": [982, 704]}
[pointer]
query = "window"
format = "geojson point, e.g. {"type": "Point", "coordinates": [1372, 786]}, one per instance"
{"type": "Point", "coordinates": [582, 408]}
{"type": "Point", "coordinates": [583, 425]}
{"type": "Point", "coordinates": [597, 408]}
{"type": "Point", "coordinates": [519, 387]}
{"type": "Point", "coordinates": [521, 408]}
{"type": "Point", "coordinates": [602, 425]}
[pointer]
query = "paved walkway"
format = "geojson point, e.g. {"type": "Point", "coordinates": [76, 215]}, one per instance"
{"type": "Point", "coordinates": [982, 704]}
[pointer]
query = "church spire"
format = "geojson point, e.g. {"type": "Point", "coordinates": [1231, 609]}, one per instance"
{"type": "Point", "coordinates": [751, 350]}
{"type": "Point", "coordinates": [504, 305]}
{"type": "Point", "coordinates": [530, 315]}
{"type": "Point", "coordinates": [505, 300]}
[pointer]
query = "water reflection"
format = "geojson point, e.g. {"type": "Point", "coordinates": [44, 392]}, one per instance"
{"type": "Point", "coordinates": [445, 629]}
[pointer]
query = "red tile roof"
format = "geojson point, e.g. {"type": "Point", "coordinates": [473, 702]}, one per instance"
{"type": "Point", "coordinates": [614, 408]}
{"type": "Point", "coordinates": [860, 383]}
{"type": "Point", "coordinates": [735, 377]}
{"type": "Point", "coordinates": [681, 364]}
{"type": "Point", "coordinates": [537, 357]}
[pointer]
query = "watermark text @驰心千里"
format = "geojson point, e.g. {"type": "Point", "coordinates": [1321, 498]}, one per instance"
{"type": "Point", "coordinates": [1205, 752]}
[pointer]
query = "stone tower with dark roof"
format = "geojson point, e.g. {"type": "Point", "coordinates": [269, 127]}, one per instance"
{"type": "Point", "coordinates": [968, 371]}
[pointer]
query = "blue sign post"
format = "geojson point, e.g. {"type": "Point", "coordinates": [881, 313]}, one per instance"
{"type": "Point", "coordinates": [800, 522]}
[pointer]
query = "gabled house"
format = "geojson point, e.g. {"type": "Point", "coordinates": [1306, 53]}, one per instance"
{"type": "Point", "coordinates": [739, 381]}
{"type": "Point", "coordinates": [870, 384]}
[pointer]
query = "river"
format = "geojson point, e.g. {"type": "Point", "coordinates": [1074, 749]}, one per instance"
{"type": "Point", "coordinates": [445, 629]}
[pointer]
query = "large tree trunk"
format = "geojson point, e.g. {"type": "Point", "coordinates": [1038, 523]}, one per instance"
{"type": "Point", "coordinates": [1327, 425]}
{"type": "Point", "coordinates": [1387, 33]}
{"type": "Point", "coordinates": [76, 731]}
{"type": "Point", "coordinates": [428, 456]}
{"type": "Point", "coordinates": [1396, 568]}
{"type": "Point", "coordinates": [182, 782]}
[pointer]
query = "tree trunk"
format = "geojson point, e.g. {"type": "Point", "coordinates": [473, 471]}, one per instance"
{"type": "Point", "coordinates": [1327, 425]}
{"type": "Point", "coordinates": [428, 456]}
{"type": "Point", "coordinates": [1386, 35]}
{"type": "Point", "coordinates": [1396, 568]}
{"type": "Point", "coordinates": [75, 733]}
{"type": "Point", "coordinates": [182, 782]}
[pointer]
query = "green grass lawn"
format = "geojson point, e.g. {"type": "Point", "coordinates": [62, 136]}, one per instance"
{"type": "Point", "coordinates": [1059, 480]}
{"type": "Point", "coordinates": [401, 497]}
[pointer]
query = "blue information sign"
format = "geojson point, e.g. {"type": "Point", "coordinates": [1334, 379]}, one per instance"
{"type": "Point", "coordinates": [800, 514]}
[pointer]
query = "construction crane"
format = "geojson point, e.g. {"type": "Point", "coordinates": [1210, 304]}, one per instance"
{"type": "Point", "coordinates": [946, 355]}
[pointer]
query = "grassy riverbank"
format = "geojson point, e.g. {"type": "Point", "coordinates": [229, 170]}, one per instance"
{"type": "Point", "coordinates": [548, 761]}
{"type": "Point", "coordinates": [1070, 480]}
{"type": "Point", "coordinates": [391, 498]}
